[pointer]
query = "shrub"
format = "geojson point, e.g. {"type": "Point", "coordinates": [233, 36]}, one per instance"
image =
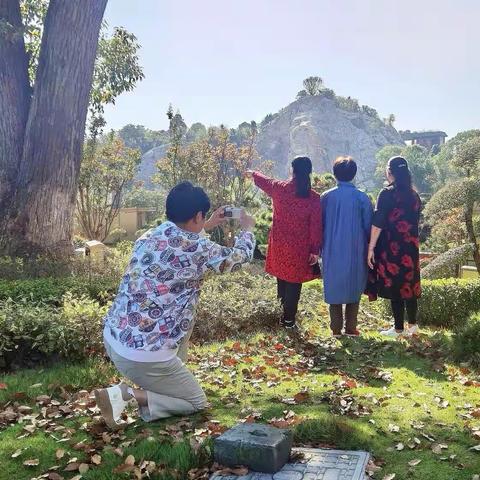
{"type": "Point", "coordinates": [236, 303]}
{"type": "Point", "coordinates": [51, 290]}
{"type": "Point", "coordinates": [446, 303]}
{"type": "Point", "coordinates": [446, 264]}
{"type": "Point", "coordinates": [65, 318]}
{"type": "Point", "coordinates": [466, 341]}
{"type": "Point", "coordinates": [29, 333]}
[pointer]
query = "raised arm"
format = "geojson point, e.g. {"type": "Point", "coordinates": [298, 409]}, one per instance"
{"type": "Point", "coordinates": [224, 259]}
{"type": "Point", "coordinates": [263, 182]}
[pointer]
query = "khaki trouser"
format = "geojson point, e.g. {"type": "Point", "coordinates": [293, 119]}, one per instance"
{"type": "Point", "coordinates": [336, 317]}
{"type": "Point", "coordinates": [171, 388]}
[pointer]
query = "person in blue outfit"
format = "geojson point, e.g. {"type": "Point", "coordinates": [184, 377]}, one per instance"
{"type": "Point", "coordinates": [347, 218]}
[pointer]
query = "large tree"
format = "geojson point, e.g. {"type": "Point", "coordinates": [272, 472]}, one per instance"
{"type": "Point", "coordinates": [41, 133]}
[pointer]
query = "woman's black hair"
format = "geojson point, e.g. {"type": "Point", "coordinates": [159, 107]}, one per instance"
{"type": "Point", "coordinates": [184, 201]}
{"type": "Point", "coordinates": [302, 168]}
{"type": "Point", "coordinates": [400, 171]}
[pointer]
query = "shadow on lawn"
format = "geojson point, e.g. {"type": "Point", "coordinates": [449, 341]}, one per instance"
{"type": "Point", "coordinates": [366, 357]}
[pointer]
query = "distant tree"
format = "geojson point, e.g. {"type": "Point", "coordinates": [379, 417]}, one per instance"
{"type": "Point", "coordinates": [107, 167]}
{"type": "Point", "coordinates": [140, 197]}
{"type": "Point", "coordinates": [322, 183]}
{"type": "Point", "coordinates": [347, 103]}
{"type": "Point", "coordinates": [268, 118]}
{"type": "Point", "coordinates": [462, 193]}
{"type": "Point", "coordinates": [137, 136]}
{"type": "Point", "coordinates": [327, 93]}
{"type": "Point", "coordinates": [313, 85]}
{"type": "Point", "coordinates": [302, 94]}
{"type": "Point", "coordinates": [391, 120]}
{"type": "Point", "coordinates": [371, 112]}
{"type": "Point", "coordinates": [196, 132]}
{"type": "Point", "coordinates": [420, 162]}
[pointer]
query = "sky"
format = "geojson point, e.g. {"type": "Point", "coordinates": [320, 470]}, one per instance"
{"type": "Point", "coordinates": [226, 61]}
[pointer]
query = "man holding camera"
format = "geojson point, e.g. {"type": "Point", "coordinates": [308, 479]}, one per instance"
{"type": "Point", "coordinates": [149, 324]}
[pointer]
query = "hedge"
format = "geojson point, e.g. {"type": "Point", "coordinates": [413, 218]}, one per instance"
{"type": "Point", "coordinates": [446, 302]}
{"type": "Point", "coordinates": [51, 291]}
{"type": "Point", "coordinates": [466, 341]}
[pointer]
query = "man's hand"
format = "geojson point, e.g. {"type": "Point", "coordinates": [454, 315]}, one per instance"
{"type": "Point", "coordinates": [313, 259]}
{"type": "Point", "coordinates": [247, 222]}
{"type": "Point", "coordinates": [216, 219]}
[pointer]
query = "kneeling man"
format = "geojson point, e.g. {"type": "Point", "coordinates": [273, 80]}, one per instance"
{"type": "Point", "coordinates": [149, 324]}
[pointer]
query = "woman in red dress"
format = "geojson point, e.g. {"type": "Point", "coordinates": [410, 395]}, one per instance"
{"type": "Point", "coordinates": [296, 235]}
{"type": "Point", "coordinates": [393, 253]}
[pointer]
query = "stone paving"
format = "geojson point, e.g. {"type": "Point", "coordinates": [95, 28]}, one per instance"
{"type": "Point", "coordinates": [317, 464]}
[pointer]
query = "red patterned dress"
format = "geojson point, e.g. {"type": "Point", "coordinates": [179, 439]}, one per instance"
{"type": "Point", "coordinates": [397, 263]}
{"type": "Point", "coordinates": [296, 230]}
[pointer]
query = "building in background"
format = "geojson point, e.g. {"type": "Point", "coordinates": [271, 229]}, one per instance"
{"type": "Point", "coordinates": [427, 139]}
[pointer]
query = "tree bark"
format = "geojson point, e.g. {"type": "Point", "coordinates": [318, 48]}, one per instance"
{"type": "Point", "coordinates": [41, 218]}
{"type": "Point", "coordinates": [14, 98]}
{"type": "Point", "coordinates": [468, 216]}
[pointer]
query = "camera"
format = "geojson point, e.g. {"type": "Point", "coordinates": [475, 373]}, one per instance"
{"type": "Point", "coordinates": [232, 212]}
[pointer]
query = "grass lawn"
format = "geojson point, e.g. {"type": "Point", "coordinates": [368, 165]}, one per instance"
{"type": "Point", "coordinates": [417, 414]}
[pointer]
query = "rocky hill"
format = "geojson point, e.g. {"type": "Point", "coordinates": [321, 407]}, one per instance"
{"type": "Point", "coordinates": [317, 127]}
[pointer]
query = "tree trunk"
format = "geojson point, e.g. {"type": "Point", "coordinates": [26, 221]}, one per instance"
{"type": "Point", "coordinates": [468, 216]}
{"type": "Point", "coordinates": [41, 218]}
{"type": "Point", "coordinates": [14, 98]}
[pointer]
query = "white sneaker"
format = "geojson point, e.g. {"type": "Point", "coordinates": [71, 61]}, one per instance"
{"type": "Point", "coordinates": [391, 332]}
{"type": "Point", "coordinates": [111, 404]}
{"type": "Point", "coordinates": [413, 330]}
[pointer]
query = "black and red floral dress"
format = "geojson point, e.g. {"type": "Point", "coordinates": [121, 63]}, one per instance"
{"type": "Point", "coordinates": [397, 259]}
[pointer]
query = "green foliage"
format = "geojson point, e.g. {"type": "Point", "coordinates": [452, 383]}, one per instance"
{"type": "Point", "coordinates": [106, 169]}
{"type": "Point", "coordinates": [302, 94]}
{"type": "Point", "coordinates": [446, 264]}
{"type": "Point", "coordinates": [234, 303]}
{"type": "Point", "coordinates": [262, 226]}
{"type": "Point", "coordinates": [72, 331]}
{"type": "Point", "coordinates": [52, 290]}
{"type": "Point", "coordinates": [466, 341]}
{"type": "Point", "coordinates": [324, 182]}
{"type": "Point", "coordinates": [141, 197]}
{"type": "Point", "coordinates": [371, 112]}
{"type": "Point", "coordinates": [142, 138]}
{"type": "Point", "coordinates": [419, 160]}
{"type": "Point", "coordinates": [448, 303]}
{"type": "Point", "coordinates": [117, 67]}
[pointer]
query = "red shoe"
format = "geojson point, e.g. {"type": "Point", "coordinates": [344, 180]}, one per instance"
{"type": "Point", "coordinates": [355, 333]}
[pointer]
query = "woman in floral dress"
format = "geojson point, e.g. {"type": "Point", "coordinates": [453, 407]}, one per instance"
{"type": "Point", "coordinates": [393, 253]}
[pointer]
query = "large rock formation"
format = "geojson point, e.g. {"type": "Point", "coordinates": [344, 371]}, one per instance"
{"type": "Point", "coordinates": [316, 127]}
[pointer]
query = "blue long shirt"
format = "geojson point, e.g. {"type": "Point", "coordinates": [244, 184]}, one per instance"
{"type": "Point", "coordinates": [347, 218]}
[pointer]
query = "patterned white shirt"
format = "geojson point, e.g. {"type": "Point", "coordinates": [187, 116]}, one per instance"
{"type": "Point", "coordinates": [155, 303]}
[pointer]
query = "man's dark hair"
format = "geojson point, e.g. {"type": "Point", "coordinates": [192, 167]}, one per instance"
{"type": "Point", "coordinates": [344, 169]}
{"type": "Point", "coordinates": [184, 201]}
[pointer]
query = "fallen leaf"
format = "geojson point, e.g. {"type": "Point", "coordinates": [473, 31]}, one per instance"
{"type": "Point", "coordinates": [130, 460]}
{"type": "Point", "coordinates": [390, 476]}
{"type": "Point", "coordinates": [16, 453]}
{"type": "Point", "coordinates": [3, 386]}
{"type": "Point", "coordinates": [96, 459]}
{"type": "Point", "coordinates": [414, 463]}
{"type": "Point", "coordinates": [399, 446]}
{"type": "Point", "coordinates": [54, 476]}
{"type": "Point", "coordinates": [83, 468]}
{"type": "Point", "coordinates": [32, 462]}
{"type": "Point", "coordinates": [476, 448]}
{"type": "Point", "coordinates": [60, 453]}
